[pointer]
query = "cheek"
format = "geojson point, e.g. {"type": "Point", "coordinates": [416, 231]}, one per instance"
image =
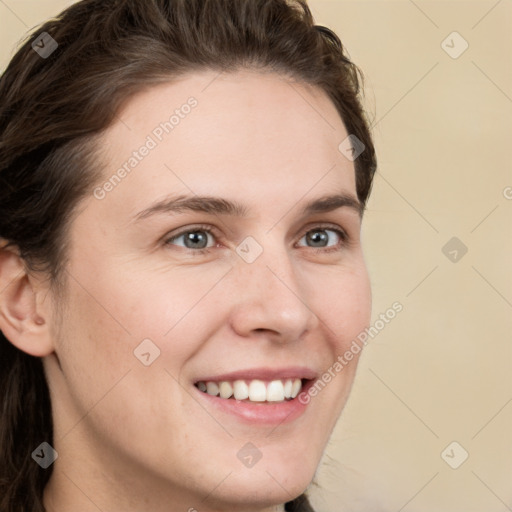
{"type": "Point", "coordinates": [176, 309]}
{"type": "Point", "coordinates": [93, 358]}
{"type": "Point", "coordinates": [107, 385]}
{"type": "Point", "coordinates": [118, 306]}
{"type": "Point", "coordinates": [344, 309]}
{"type": "Point", "coordinates": [344, 305]}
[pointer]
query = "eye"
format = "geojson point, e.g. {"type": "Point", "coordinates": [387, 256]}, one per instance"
{"type": "Point", "coordinates": [321, 237]}
{"type": "Point", "coordinates": [196, 238]}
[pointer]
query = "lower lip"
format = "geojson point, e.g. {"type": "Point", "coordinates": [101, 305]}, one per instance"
{"type": "Point", "coordinates": [264, 413]}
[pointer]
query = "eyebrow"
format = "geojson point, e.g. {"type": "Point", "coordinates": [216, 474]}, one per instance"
{"type": "Point", "coordinates": [220, 206]}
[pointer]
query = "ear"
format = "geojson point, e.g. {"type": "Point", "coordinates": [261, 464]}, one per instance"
{"type": "Point", "coordinates": [23, 319]}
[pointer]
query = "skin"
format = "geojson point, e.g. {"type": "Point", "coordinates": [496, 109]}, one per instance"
{"type": "Point", "coordinates": [131, 437]}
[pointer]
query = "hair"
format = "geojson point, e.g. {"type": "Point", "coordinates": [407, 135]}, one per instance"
{"type": "Point", "coordinates": [52, 110]}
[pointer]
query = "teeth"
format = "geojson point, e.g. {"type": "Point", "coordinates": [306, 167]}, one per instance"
{"type": "Point", "coordinates": [212, 388]}
{"type": "Point", "coordinates": [275, 391]}
{"type": "Point", "coordinates": [254, 390]}
{"type": "Point", "coordinates": [241, 390]}
{"type": "Point", "coordinates": [296, 387]}
{"type": "Point", "coordinates": [225, 389]}
{"type": "Point", "coordinates": [257, 391]}
{"type": "Point", "coordinates": [287, 388]}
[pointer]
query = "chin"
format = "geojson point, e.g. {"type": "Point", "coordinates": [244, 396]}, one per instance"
{"type": "Point", "coordinates": [268, 483]}
{"type": "Point", "coordinates": [257, 491]}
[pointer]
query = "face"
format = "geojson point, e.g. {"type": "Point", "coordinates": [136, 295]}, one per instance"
{"type": "Point", "coordinates": [254, 291]}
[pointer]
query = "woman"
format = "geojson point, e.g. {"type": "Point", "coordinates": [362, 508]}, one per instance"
{"type": "Point", "coordinates": [183, 184]}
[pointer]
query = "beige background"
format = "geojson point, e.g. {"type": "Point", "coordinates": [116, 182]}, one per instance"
{"type": "Point", "coordinates": [440, 371]}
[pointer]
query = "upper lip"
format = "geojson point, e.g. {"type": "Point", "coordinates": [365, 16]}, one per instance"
{"type": "Point", "coordinates": [289, 372]}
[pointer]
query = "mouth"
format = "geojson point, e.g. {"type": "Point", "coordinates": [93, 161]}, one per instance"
{"type": "Point", "coordinates": [258, 396]}
{"type": "Point", "coordinates": [253, 390]}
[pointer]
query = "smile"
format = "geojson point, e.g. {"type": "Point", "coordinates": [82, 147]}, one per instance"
{"type": "Point", "coordinates": [262, 396]}
{"type": "Point", "coordinates": [254, 390]}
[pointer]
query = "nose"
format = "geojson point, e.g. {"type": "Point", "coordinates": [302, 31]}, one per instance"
{"type": "Point", "coordinates": [271, 299]}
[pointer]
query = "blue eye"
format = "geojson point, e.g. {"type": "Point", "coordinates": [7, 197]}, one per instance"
{"type": "Point", "coordinates": [196, 239]}
{"type": "Point", "coordinates": [320, 238]}
{"type": "Point", "coordinates": [324, 239]}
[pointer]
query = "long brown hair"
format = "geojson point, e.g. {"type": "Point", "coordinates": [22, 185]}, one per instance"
{"type": "Point", "coordinates": [53, 105]}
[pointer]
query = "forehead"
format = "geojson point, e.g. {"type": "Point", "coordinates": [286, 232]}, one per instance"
{"type": "Point", "coordinates": [237, 134]}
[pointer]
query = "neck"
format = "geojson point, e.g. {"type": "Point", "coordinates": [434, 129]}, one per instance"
{"type": "Point", "coordinates": [69, 490]}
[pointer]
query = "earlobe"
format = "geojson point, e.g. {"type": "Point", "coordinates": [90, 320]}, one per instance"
{"type": "Point", "coordinates": [20, 321]}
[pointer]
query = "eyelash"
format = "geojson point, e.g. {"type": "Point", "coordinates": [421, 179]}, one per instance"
{"type": "Point", "coordinates": [341, 233]}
